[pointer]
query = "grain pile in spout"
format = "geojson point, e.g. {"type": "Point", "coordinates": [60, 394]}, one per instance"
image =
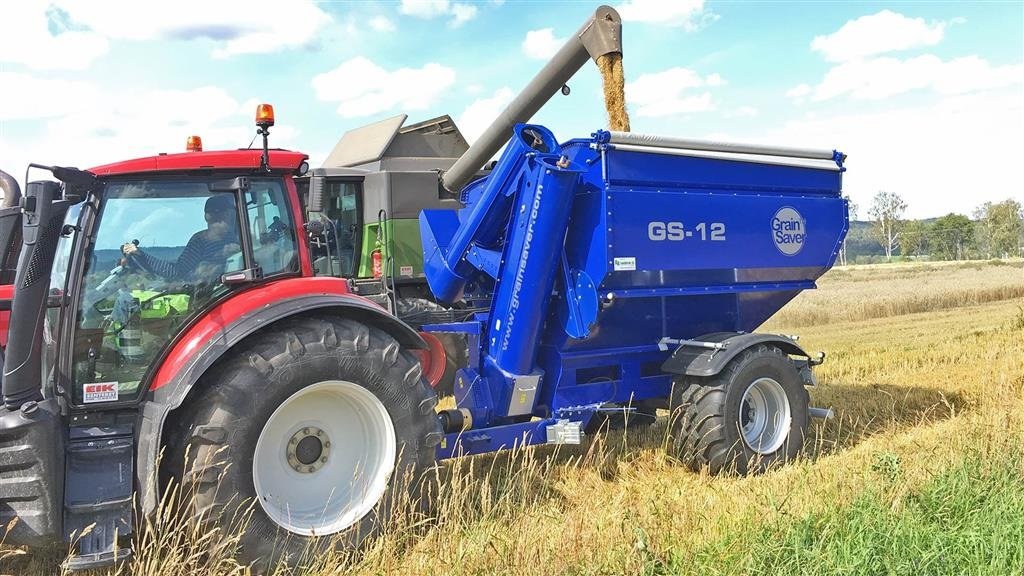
{"type": "Point", "coordinates": [614, 91]}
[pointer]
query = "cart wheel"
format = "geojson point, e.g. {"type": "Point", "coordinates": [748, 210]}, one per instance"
{"type": "Point", "coordinates": [749, 417]}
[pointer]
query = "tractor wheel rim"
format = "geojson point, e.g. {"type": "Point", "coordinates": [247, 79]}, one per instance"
{"type": "Point", "coordinates": [324, 458]}
{"type": "Point", "coordinates": [765, 416]}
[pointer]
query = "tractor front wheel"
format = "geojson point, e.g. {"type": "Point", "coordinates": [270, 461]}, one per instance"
{"type": "Point", "coordinates": [306, 428]}
{"type": "Point", "coordinates": [752, 415]}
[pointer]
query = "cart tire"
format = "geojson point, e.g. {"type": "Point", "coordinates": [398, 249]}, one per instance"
{"type": "Point", "coordinates": [751, 416]}
{"type": "Point", "coordinates": [306, 427]}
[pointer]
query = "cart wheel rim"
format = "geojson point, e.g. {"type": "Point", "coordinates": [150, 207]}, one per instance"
{"type": "Point", "coordinates": [765, 416]}
{"type": "Point", "coordinates": [324, 458]}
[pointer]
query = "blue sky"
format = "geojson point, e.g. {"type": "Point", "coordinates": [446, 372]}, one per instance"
{"type": "Point", "coordinates": [927, 99]}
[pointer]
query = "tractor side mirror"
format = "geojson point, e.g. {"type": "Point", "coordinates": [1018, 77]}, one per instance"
{"type": "Point", "coordinates": [315, 203]}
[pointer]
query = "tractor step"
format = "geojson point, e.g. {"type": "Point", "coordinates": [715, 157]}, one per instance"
{"type": "Point", "coordinates": [98, 494]}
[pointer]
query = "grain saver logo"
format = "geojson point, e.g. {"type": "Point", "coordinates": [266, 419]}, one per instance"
{"type": "Point", "coordinates": [789, 231]}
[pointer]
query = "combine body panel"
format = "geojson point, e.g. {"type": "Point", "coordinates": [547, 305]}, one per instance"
{"type": "Point", "coordinates": [596, 253]}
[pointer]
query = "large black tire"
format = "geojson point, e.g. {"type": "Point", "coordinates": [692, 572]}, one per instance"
{"type": "Point", "coordinates": [220, 426]}
{"type": "Point", "coordinates": [708, 414]}
{"type": "Point", "coordinates": [419, 311]}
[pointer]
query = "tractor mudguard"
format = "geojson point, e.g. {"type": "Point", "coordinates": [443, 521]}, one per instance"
{"type": "Point", "coordinates": [168, 395]}
{"type": "Point", "coordinates": [193, 363]}
{"type": "Point", "coordinates": [690, 360]}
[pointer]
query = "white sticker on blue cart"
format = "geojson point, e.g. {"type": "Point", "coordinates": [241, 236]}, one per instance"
{"type": "Point", "coordinates": [789, 231]}
{"type": "Point", "coordinates": [626, 264]}
{"type": "Point", "coordinates": [99, 392]}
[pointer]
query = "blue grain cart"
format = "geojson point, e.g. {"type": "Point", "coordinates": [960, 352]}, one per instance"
{"type": "Point", "coordinates": [626, 273]}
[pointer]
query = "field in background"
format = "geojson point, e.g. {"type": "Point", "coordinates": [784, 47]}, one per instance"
{"type": "Point", "coordinates": [922, 471]}
{"type": "Point", "coordinates": [884, 290]}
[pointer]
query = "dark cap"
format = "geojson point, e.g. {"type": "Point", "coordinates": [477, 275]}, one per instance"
{"type": "Point", "coordinates": [220, 203]}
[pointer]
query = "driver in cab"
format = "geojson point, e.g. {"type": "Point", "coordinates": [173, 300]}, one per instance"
{"type": "Point", "coordinates": [204, 257]}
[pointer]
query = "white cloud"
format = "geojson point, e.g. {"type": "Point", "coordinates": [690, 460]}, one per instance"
{"type": "Point", "coordinates": [459, 12]}
{"type": "Point", "coordinates": [382, 24]}
{"type": "Point", "coordinates": [800, 92]}
{"type": "Point", "coordinates": [70, 34]}
{"type": "Point", "coordinates": [26, 97]}
{"type": "Point", "coordinates": [691, 15]}
{"type": "Point", "coordinates": [879, 33]}
{"type": "Point", "coordinates": [861, 73]}
{"type": "Point", "coordinates": [378, 90]}
{"type": "Point", "coordinates": [106, 125]}
{"type": "Point", "coordinates": [479, 115]}
{"type": "Point", "coordinates": [424, 8]}
{"type": "Point", "coordinates": [27, 40]}
{"type": "Point", "coordinates": [462, 13]}
{"type": "Point", "coordinates": [881, 78]}
{"type": "Point", "coordinates": [947, 156]}
{"type": "Point", "coordinates": [742, 112]}
{"type": "Point", "coordinates": [542, 44]}
{"type": "Point", "coordinates": [953, 145]}
{"type": "Point", "coordinates": [666, 93]}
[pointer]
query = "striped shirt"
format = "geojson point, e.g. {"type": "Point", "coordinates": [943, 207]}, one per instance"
{"type": "Point", "coordinates": [202, 256]}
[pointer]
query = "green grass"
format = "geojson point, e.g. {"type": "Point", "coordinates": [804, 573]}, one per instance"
{"type": "Point", "coordinates": [967, 520]}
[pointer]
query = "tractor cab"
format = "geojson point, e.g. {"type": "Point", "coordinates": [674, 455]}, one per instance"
{"type": "Point", "coordinates": [162, 248]}
{"type": "Point", "coordinates": [132, 280]}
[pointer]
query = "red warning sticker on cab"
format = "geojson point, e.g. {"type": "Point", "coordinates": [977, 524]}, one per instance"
{"type": "Point", "coordinates": [99, 392]}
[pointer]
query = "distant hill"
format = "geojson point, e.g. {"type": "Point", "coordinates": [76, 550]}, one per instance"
{"type": "Point", "coordinates": [108, 259]}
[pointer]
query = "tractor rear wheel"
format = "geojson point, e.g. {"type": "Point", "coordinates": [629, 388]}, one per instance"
{"type": "Point", "coordinates": [749, 417]}
{"type": "Point", "coordinates": [314, 421]}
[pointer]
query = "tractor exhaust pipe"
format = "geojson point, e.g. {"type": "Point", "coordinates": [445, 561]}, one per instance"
{"type": "Point", "coordinates": [601, 34]}
{"type": "Point", "coordinates": [10, 227]}
{"type": "Point", "coordinates": [12, 192]}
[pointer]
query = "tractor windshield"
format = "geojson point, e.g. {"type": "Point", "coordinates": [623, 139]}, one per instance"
{"type": "Point", "coordinates": [159, 250]}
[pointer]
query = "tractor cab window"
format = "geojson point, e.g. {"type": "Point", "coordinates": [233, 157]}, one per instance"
{"type": "Point", "coordinates": [337, 253]}
{"type": "Point", "coordinates": [159, 250]}
{"type": "Point", "coordinates": [270, 227]}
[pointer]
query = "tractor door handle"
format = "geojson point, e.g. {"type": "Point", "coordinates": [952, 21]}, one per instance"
{"type": "Point", "coordinates": [241, 276]}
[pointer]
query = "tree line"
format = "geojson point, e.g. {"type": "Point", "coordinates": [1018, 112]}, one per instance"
{"type": "Point", "coordinates": [995, 231]}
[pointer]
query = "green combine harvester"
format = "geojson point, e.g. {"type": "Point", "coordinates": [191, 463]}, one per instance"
{"type": "Point", "coordinates": [373, 186]}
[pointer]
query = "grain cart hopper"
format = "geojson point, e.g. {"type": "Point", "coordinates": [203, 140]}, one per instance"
{"type": "Point", "coordinates": [625, 270]}
{"type": "Point", "coordinates": [624, 273]}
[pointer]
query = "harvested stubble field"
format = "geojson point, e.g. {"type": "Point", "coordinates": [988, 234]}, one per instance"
{"type": "Point", "coordinates": [921, 472]}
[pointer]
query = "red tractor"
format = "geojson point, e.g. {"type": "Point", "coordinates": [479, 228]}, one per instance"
{"type": "Point", "coordinates": [169, 303]}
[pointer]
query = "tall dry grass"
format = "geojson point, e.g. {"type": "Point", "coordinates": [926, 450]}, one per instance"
{"type": "Point", "coordinates": [881, 291]}
{"type": "Point", "coordinates": [918, 393]}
